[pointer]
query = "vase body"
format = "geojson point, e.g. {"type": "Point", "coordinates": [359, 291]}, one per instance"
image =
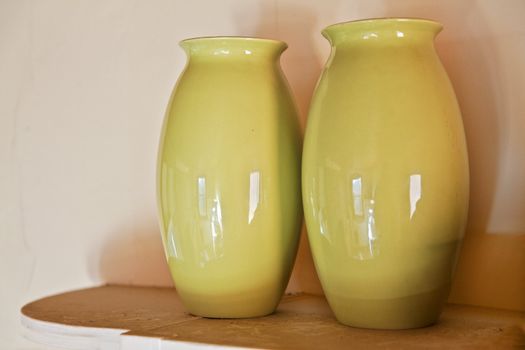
{"type": "Point", "coordinates": [229, 178]}
{"type": "Point", "coordinates": [385, 175]}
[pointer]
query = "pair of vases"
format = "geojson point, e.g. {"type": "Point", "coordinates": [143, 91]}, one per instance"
{"type": "Point", "coordinates": [384, 176]}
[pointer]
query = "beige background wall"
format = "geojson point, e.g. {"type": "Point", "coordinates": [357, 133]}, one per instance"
{"type": "Point", "coordinates": [83, 87]}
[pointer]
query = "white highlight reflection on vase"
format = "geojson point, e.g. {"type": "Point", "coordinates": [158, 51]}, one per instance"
{"type": "Point", "coordinates": [201, 190]}
{"type": "Point", "coordinates": [415, 192]}
{"type": "Point", "coordinates": [255, 177]}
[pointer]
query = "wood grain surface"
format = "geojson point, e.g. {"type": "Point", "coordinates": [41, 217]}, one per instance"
{"type": "Point", "coordinates": [301, 322]}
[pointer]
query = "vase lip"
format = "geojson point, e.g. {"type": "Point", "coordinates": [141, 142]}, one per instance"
{"type": "Point", "coordinates": [367, 24]}
{"type": "Point", "coordinates": [387, 19]}
{"type": "Point", "coordinates": [234, 38]}
{"type": "Point", "coordinates": [228, 45]}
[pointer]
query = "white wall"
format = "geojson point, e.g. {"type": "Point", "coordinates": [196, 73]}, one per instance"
{"type": "Point", "coordinates": [83, 88]}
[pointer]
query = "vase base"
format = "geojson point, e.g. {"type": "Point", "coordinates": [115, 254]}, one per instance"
{"type": "Point", "coordinates": [232, 315]}
{"type": "Point", "coordinates": [230, 306]}
{"type": "Point", "coordinates": [415, 311]}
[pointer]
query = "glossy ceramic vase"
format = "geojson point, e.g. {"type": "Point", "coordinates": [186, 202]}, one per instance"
{"type": "Point", "coordinates": [385, 175]}
{"type": "Point", "coordinates": [229, 188]}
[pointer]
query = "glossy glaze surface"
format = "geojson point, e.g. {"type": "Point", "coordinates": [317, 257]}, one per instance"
{"type": "Point", "coordinates": [385, 175]}
{"type": "Point", "coordinates": [229, 178]}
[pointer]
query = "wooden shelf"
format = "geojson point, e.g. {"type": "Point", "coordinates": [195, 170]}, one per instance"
{"type": "Point", "coordinates": [129, 318]}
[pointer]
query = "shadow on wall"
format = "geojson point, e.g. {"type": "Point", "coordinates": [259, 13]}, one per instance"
{"type": "Point", "coordinates": [491, 269]}
{"type": "Point", "coordinates": [135, 257]}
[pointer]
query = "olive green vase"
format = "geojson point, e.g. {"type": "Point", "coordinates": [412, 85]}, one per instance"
{"type": "Point", "coordinates": [385, 175]}
{"type": "Point", "coordinates": [229, 190]}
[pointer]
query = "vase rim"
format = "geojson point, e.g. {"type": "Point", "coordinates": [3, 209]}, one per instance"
{"type": "Point", "coordinates": [365, 28]}
{"type": "Point", "coordinates": [234, 38]}
{"type": "Point", "coordinates": [414, 20]}
{"type": "Point", "coordinates": [224, 45]}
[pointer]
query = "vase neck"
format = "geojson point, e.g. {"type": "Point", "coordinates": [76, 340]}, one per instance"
{"type": "Point", "coordinates": [383, 31]}
{"type": "Point", "coordinates": [230, 47]}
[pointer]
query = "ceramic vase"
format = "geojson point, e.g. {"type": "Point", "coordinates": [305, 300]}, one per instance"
{"type": "Point", "coordinates": [229, 190]}
{"type": "Point", "coordinates": [385, 175]}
